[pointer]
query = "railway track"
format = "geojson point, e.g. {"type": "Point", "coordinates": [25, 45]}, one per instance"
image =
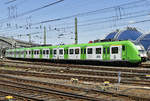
{"type": "Point", "coordinates": [79, 77]}
{"type": "Point", "coordinates": [77, 71]}
{"type": "Point", "coordinates": [24, 83]}
{"type": "Point", "coordinates": [97, 71]}
{"type": "Point", "coordinates": [110, 68]}
{"type": "Point", "coordinates": [40, 93]}
{"type": "Point", "coordinates": [128, 77]}
{"type": "Point", "coordinates": [81, 72]}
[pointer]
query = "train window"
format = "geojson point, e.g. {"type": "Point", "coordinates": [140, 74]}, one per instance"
{"type": "Point", "coordinates": [29, 52]}
{"type": "Point", "coordinates": [123, 47]}
{"type": "Point", "coordinates": [61, 51]}
{"type": "Point", "coordinates": [114, 50]}
{"type": "Point", "coordinates": [81, 51]}
{"type": "Point", "coordinates": [55, 52]}
{"type": "Point", "coordinates": [90, 51]}
{"type": "Point", "coordinates": [85, 51]}
{"type": "Point", "coordinates": [38, 52]}
{"type": "Point", "coordinates": [77, 51]}
{"type": "Point", "coordinates": [47, 51]}
{"type": "Point", "coordinates": [98, 50]}
{"type": "Point", "coordinates": [108, 50]}
{"type": "Point", "coordinates": [43, 51]}
{"type": "Point", "coordinates": [34, 52]}
{"type": "Point", "coordinates": [26, 52]}
{"type": "Point", "coordinates": [104, 50]}
{"type": "Point", "coordinates": [71, 51]}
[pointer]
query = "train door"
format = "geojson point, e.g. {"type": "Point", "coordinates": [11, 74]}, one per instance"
{"type": "Point", "coordinates": [36, 53]}
{"type": "Point", "coordinates": [94, 53]}
{"type": "Point", "coordinates": [77, 53]}
{"type": "Point", "coordinates": [45, 53]}
{"type": "Point", "coordinates": [61, 53]}
{"type": "Point", "coordinates": [123, 52]}
{"type": "Point", "coordinates": [98, 51]}
{"type": "Point", "coordinates": [71, 53]}
{"type": "Point", "coordinates": [55, 53]}
{"type": "Point", "coordinates": [89, 54]}
{"type": "Point", "coordinates": [106, 53]}
{"type": "Point", "coordinates": [28, 53]}
{"type": "Point", "coordinates": [116, 52]}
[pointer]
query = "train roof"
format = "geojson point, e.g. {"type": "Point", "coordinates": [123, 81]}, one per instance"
{"type": "Point", "coordinates": [79, 45]}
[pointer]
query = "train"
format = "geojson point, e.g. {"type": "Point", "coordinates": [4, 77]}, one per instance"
{"type": "Point", "coordinates": [100, 52]}
{"type": "Point", "coordinates": [148, 53]}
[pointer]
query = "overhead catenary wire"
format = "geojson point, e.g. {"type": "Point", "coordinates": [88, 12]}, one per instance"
{"type": "Point", "coordinates": [80, 14]}
{"type": "Point", "coordinates": [138, 14]}
{"type": "Point", "coordinates": [122, 24]}
{"type": "Point", "coordinates": [8, 2]}
{"type": "Point", "coordinates": [31, 11]}
{"type": "Point", "coordinates": [75, 15]}
{"type": "Point", "coordinates": [88, 13]}
{"type": "Point", "coordinates": [37, 9]}
{"type": "Point", "coordinates": [104, 21]}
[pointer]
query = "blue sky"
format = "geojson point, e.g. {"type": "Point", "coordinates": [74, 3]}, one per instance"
{"type": "Point", "coordinates": [92, 26]}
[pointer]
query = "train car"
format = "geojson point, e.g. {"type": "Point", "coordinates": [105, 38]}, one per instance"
{"type": "Point", "coordinates": [114, 51]}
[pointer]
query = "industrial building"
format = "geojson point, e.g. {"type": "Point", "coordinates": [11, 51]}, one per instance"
{"type": "Point", "coordinates": [6, 43]}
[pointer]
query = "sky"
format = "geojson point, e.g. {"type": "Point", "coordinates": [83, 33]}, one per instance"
{"type": "Point", "coordinates": [96, 19]}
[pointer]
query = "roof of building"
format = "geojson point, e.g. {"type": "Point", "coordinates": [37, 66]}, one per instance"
{"type": "Point", "coordinates": [111, 35]}
{"type": "Point", "coordinates": [144, 40]}
{"type": "Point", "coordinates": [128, 34]}
{"type": "Point", "coordinates": [6, 42]}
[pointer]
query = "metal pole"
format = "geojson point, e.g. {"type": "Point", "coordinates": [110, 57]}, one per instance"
{"type": "Point", "coordinates": [29, 35]}
{"type": "Point", "coordinates": [29, 38]}
{"type": "Point", "coordinates": [76, 31]}
{"type": "Point", "coordinates": [44, 35]}
{"type": "Point", "coordinates": [119, 79]}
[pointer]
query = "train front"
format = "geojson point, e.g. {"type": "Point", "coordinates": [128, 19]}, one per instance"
{"type": "Point", "coordinates": [142, 52]}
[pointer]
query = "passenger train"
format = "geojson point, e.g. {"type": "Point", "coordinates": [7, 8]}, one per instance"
{"type": "Point", "coordinates": [101, 52]}
{"type": "Point", "coordinates": [148, 53]}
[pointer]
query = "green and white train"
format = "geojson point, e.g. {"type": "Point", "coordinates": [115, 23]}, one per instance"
{"type": "Point", "coordinates": [113, 51]}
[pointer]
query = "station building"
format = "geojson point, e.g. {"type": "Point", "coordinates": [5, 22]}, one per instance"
{"type": "Point", "coordinates": [6, 43]}
{"type": "Point", "coordinates": [144, 40]}
{"type": "Point", "coordinates": [132, 34]}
